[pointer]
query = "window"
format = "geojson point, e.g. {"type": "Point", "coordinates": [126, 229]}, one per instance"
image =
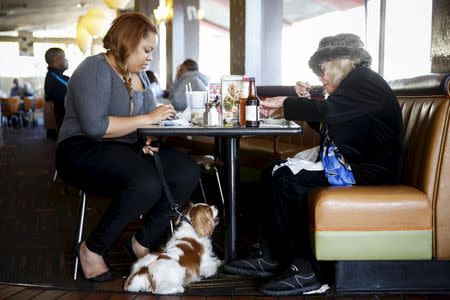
{"type": "Point", "coordinates": [301, 39]}
{"type": "Point", "coordinates": [408, 31]}
{"type": "Point", "coordinates": [408, 38]}
{"type": "Point", "coordinates": [214, 56]}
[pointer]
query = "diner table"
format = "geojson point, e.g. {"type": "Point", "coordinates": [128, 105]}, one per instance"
{"type": "Point", "coordinates": [230, 136]}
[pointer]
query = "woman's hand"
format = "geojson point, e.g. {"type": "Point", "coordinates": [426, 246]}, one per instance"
{"type": "Point", "coordinates": [270, 105]}
{"type": "Point", "coordinates": [302, 89]}
{"type": "Point", "coordinates": [162, 112]}
{"type": "Point", "coordinates": [147, 148]}
{"type": "Point", "coordinates": [120, 126]}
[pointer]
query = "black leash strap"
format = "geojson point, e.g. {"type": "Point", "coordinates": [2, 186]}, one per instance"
{"type": "Point", "coordinates": [173, 205]}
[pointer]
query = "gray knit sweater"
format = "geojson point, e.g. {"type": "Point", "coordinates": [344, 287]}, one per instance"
{"type": "Point", "coordinates": [95, 91]}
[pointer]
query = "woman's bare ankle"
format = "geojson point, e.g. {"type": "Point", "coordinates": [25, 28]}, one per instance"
{"type": "Point", "coordinates": [92, 264]}
{"type": "Point", "coordinates": [139, 250]}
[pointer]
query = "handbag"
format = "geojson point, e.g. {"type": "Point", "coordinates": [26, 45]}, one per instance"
{"type": "Point", "coordinates": [337, 170]}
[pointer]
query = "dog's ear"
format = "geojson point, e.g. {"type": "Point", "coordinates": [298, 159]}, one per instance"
{"type": "Point", "coordinates": [202, 220]}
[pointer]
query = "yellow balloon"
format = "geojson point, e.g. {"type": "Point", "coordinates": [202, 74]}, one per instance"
{"type": "Point", "coordinates": [84, 39]}
{"type": "Point", "coordinates": [94, 21]}
{"type": "Point", "coordinates": [116, 4]}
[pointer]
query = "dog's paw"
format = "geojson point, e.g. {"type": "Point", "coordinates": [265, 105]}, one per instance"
{"type": "Point", "coordinates": [169, 290]}
{"type": "Point", "coordinates": [136, 283]}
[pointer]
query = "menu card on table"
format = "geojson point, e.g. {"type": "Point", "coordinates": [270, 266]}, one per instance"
{"type": "Point", "coordinates": [231, 95]}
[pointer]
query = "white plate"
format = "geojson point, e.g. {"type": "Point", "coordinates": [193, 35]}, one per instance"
{"type": "Point", "coordinates": [274, 121]}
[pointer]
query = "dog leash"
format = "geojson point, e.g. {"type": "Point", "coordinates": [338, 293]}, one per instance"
{"type": "Point", "coordinates": [173, 205]}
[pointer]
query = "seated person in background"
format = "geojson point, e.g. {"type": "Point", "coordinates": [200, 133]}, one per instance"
{"type": "Point", "coordinates": [154, 85]}
{"type": "Point", "coordinates": [108, 98]}
{"type": "Point", "coordinates": [55, 85]}
{"type": "Point", "coordinates": [28, 90]}
{"type": "Point", "coordinates": [361, 130]}
{"type": "Point", "coordinates": [17, 89]}
{"type": "Point", "coordinates": [187, 73]}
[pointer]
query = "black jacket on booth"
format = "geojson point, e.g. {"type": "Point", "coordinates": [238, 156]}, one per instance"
{"type": "Point", "coordinates": [365, 123]}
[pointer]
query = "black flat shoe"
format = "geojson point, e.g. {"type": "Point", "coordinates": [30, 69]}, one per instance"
{"type": "Point", "coordinates": [128, 248]}
{"type": "Point", "coordinates": [100, 278]}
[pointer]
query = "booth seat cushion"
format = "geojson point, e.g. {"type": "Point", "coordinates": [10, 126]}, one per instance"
{"type": "Point", "coordinates": [371, 222]}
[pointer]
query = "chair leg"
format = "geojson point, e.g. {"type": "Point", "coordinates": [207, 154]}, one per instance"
{"type": "Point", "coordinates": [203, 191]}
{"type": "Point", "coordinates": [79, 230]}
{"type": "Point", "coordinates": [220, 186]}
{"type": "Point", "coordinates": [54, 176]}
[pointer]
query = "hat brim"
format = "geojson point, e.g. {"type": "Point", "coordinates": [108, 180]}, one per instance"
{"type": "Point", "coordinates": [329, 53]}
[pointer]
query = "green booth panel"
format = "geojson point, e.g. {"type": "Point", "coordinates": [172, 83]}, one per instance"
{"type": "Point", "coordinates": [373, 245]}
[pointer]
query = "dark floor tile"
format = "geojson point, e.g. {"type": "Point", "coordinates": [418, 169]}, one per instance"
{"type": "Point", "coordinates": [26, 294]}
{"type": "Point", "coordinates": [49, 295]}
{"type": "Point", "coordinates": [146, 297]}
{"type": "Point", "coordinates": [218, 298]}
{"type": "Point", "coordinates": [170, 298]}
{"type": "Point", "coordinates": [122, 297]}
{"type": "Point", "coordinates": [98, 296]}
{"type": "Point", "coordinates": [193, 298]}
{"type": "Point", "coordinates": [10, 291]}
{"type": "Point", "coordinates": [73, 296]}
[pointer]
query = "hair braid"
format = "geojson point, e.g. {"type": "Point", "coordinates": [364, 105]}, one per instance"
{"type": "Point", "coordinates": [123, 70]}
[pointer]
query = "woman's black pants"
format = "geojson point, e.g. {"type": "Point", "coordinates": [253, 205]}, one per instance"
{"type": "Point", "coordinates": [286, 211]}
{"type": "Point", "coordinates": [130, 177]}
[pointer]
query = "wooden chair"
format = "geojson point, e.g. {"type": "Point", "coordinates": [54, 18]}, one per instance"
{"type": "Point", "coordinates": [28, 107]}
{"type": "Point", "coordinates": [3, 106]}
{"type": "Point", "coordinates": [38, 103]}
{"type": "Point", "coordinates": [10, 107]}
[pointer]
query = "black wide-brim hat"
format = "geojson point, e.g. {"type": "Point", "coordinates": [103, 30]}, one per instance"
{"type": "Point", "coordinates": [344, 45]}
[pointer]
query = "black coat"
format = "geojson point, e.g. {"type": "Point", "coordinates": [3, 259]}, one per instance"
{"type": "Point", "coordinates": [364, 121]}
{"type": "Point", "coordinates": [54, 89]}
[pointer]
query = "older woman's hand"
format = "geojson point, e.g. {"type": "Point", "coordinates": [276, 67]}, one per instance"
{"type": "Point", "coordinates": [302, 89]}
{"type": "Point", "coordinates": [270, 105]}
{"type": "Point", "coordinates": [148, 148]}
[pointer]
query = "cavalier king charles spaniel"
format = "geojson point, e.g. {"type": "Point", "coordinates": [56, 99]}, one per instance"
{"type": "Point", "coordinates": [187, 257]}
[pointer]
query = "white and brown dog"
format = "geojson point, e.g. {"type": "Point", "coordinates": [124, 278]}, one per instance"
{"type": "Point", "coordinates": [187, 257]}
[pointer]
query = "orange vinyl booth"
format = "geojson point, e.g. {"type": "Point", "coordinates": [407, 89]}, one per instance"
{"type": "Point", "coordinates": [392, 237]}
{"type": "Point", "coordinates": [395, 237]}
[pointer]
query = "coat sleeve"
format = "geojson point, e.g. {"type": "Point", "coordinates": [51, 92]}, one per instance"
{"type": "Point", "coordinates": [353, 98]}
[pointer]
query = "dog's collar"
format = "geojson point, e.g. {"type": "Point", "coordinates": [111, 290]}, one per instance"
{"type": "Point", "coordinates": [179, 217]}
{"type": "Point", "coordinates": [183, 218]}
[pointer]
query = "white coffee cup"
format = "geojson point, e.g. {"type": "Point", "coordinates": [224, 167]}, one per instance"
{"type": "Point", "coordinates": [196, 99]}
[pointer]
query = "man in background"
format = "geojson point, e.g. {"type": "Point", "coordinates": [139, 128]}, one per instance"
{"type": "Point", "coordinates": [56, 83]}
{"type": "Point", "coordinates": [17, 89]}
{"type": "Point", "coordinates": [187, 73]}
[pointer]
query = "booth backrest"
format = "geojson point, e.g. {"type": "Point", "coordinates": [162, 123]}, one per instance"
{"type": "Point", "coordinates": [426, 165]}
